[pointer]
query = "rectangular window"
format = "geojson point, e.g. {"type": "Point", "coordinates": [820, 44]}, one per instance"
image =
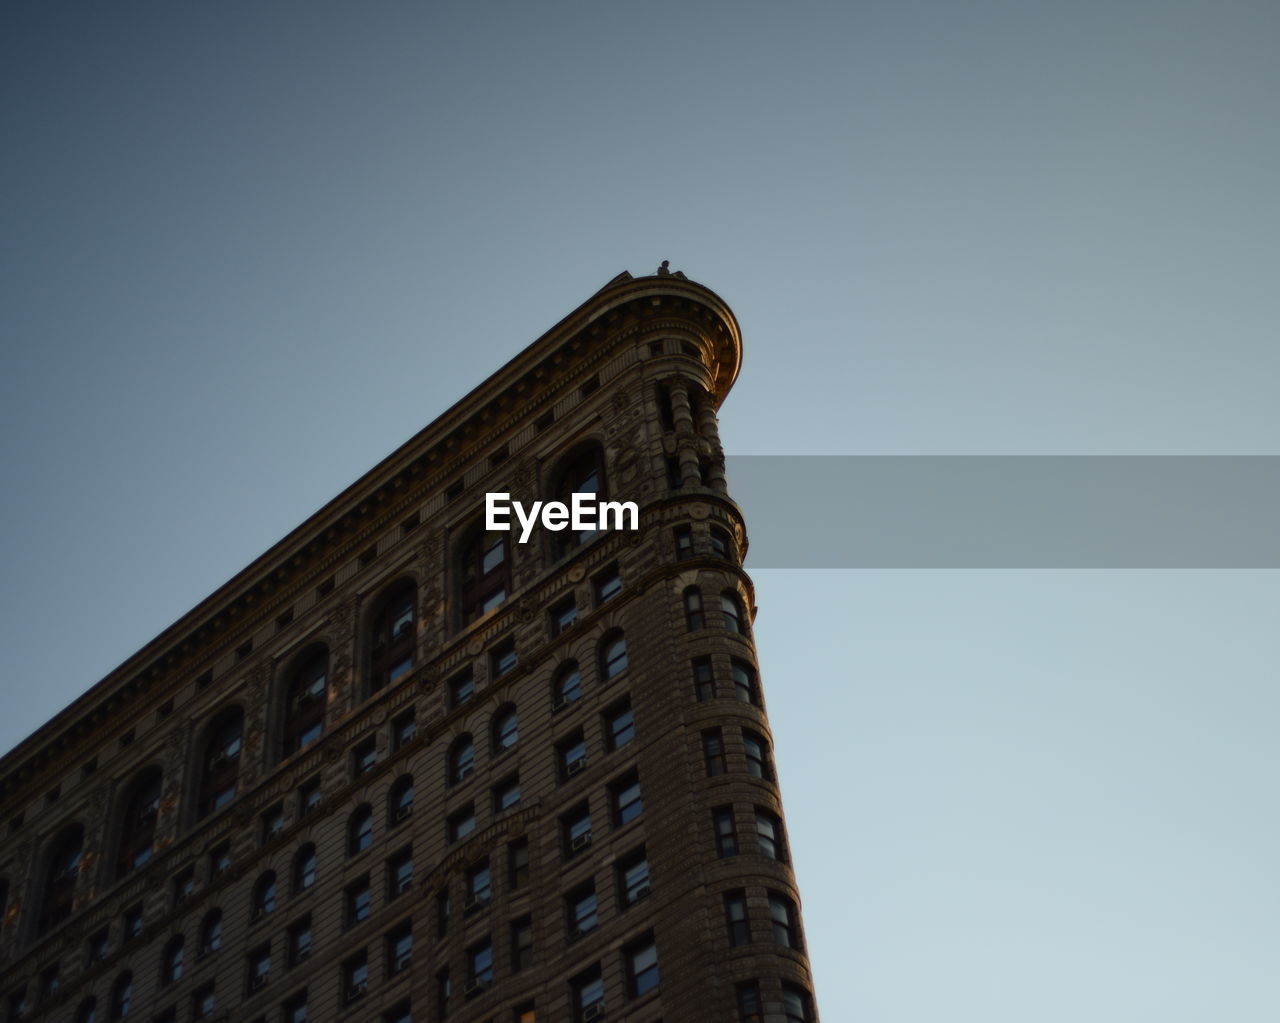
{"type": "Point", "coordinates": [759, 763]}
{"type": "Point", "coordinates": [219, 859]}
{"type": "Point", "coordinates": [563, 616]}
{"type": "Point", "coordinates": [184, 886]}
{"type": "Point", "coordinates": [588, 995]}
{"type": "Point", "coordinates": [619, 725]}
{"type": "Point", "coordinates": [359, 901]}
{"type": "Point", "coordinates": [607, 585]}
{"type": "Point", "coordinates": [525, 1012]}
{"type": "Point", "coordinates": [627, 804]}
{"type": "Point", "coordinates": [571, 752]}
{"type": "Point", "coordinates": [641, 960]}
{"type": "Point", "coordinates": [355, 978]}
{"type": "Point", "coordinates": [364, 757]}
{"type": "Point", "coordinates": [96, 950]}
{"type": "Point", "coordinates": [272, 823]}
{"type": "Point", "coordinates": [400, 1013]}
{"type": "Point", "coordinates": [479, 887]}
{"type": "Point", "coordinates": [722, 545]}
{"type": "Point", "coordinates": [399, 945]}
{"type": "Point", "coordinates": [518, 863]}
{"type": "Point", "coordinates": [704, 686]}
{"type": "Point", "coordinates": [684, 543]}
{"type": "Point", "coordinates": [769, 840]}
{"type": "Point", "coordinates": [506, 794]}
{"type": "Point", "coordinates": [203, 1002]}
{"type": "Point", "coordinates": [575, 828]}
{"type": "Point", "coordinates": [259, 968]}
{"type": "Point", "coordinates": [444, 906]}
{"type": "Point", "coordinates": [786, 926]}
{"type": "Point", "coordinates": [444, 990]}
{"type": "Point", "coordinates": [462, 823]}
{"type": "Point", "coordinates": [300, 941]}
{"type": "Point", "coordinates": [735, 914]}
{"type": "Point", "coordinates": [750, 1008]}
{"type": "Point", "coordinates": [309, 797]}
{"type": "Point", "coordinates": [521, 944]}
{"type": "Point", "coordinates": [479, 967]}
{"type": "Point", "coordinates": [462, 688]}
{"type": "Point", "coordinates": [726, 831]}
{"type": "Point", "coordinates": [132, 923]}
{"type": "Point", "coordinates": [400, 873]}
{"type": "Point", "coordinates": [295, 1009]}
{"type": "Point", "coordinates": [746, 687]}
{"type": "Point", "coordinates": [580, 908]}
{"type": "Point", "coordinates": [502, 659]}
{"type": "Point", "coordinates": [713, 752]}
{"type": "Point", "coordinates": [797, 1005]}
{"type": "Point", "coordinates": [403, 730]}
{"type": "Point", "coordinates": [633, 878]}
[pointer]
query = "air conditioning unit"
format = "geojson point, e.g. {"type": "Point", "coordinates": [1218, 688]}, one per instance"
{"type": "Point", "coordinates": [357, 991]}
{"type": "Point", "coordinates": [558, 704]}
{"type": "Point", "coordinates": [575, 766]}
{"type": "Point", "coordinates": [473, 902]}
{"type": "Point", "coordinates": [474, 986]}
{"type": "Point", "coordinates": [403, 813]}
{"type": "Point", "coordinates": [641, 892]}
{"type": "Point", "coordinates": [593, 1011]}
{"type": "Point", "coordinates": [257, 982]}
{"type": "Point", "coordinates": [581, 841]}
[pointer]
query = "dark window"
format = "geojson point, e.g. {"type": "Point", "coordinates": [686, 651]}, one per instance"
{"type": "Point", "coordinates": [797, 1005]}
{"type": "Point", "coordinates": [580, 909]}
{"type": "Point", "coordinates": [138, 827]}
{"type": "Point", "coordinates": [750, 1008]}
{"type": "Point", "coordinates": [722, 545]}
{"type": "Point", "coordinates": [479, 967]}
{"type": "Point", "coordinates": [264, 895]}
{"type": "Point", "coordinates": [364, 757]}
{"type": "Point", "coordinates": [769, 841]}
{"type": "Point", "coordinates": [786, 924]}
{"type": "Point", "coordinates": [506, 794]}
{"type": "Point", "coordinates": [735, 914]}
{"type": "Point", "coordinates": [568, 686]}
{"type": "Point", "coordinates": [462, 688]}
{"type": "Point", "coordinates": [713, 752]}
{"type": "Point", "coordinates": [613, 655]}
{"type": "Point", "coordinates": [131, 923]}
{"type": "Point", "coordinates": [675, 479]}
{"type": "Point", "coordinates": [588, 995]}
{"type": "Point", "coordinates": [220, 763]}
{"type": "Point", "coordinates": [443, 909]}
{"type": "Point", "coordinates": [521, 944]}
{"type": "Point", "coordinates": [726, 831]}
{"type": "Point", "coordinates": [399, 1014]}
{"type": "Point", "coordinates": [272, 823]}
{"type": "Point", "coordinates": [462, 823]}
{"type": "Point", "coordinates": [684, 542]}
{"type": "Point", "coordinates": [171, 961]}
{"type": "Point", "coordinates": [462, 759]}
{"type": "Point", "coordinates": [633, 879]}
{"type": "Point", "coordinates": [583, 473]}
{"type": "Point", "coordinates": [394, 637]}
{"type": "Point", "coordinates": [444, 991]}
{"type": "Point", "coordinates": [400, 800]}
{"type": "Point", "coordinates": [211, 932]}
{"type": "Point", "coordinates": [563, 616]}
{"type": "Point", "coordinates": [575, 827]}
{"type": "Point", "coordinates": [360, 830]}
{"type": "Point", "coordinates": [88, 1011]}
{"type": "Point", "coordinates": [693, 617]}
{"type": "Point", "coordinates": [484, 574]}
{"type": "Point", "coordinates": [571, 752]}
{"type": "Point", "coordinates": [304, 703]}
{"type": "Point", "coordinates": [60, 883]}
{"type": "Point", "coordinates": [259, 971]}
{"type": "Point", "coordinates": [502, 659]}
{"type": "Point", "coordinates": [304, 868]}
{"type": "Point", "coordinates": [625, 797]}
{"type": "Point", "coordinates": [399, 943]}
{"type": "Point", "coordinates": [518, 863]}
{"type": "Point", "coordinates": [759, 763]}
{"type": "Point", "coordinates": [122, 996]}
{"type": "Point", "coordinates": [355, 978]}
{"type": "Point", "coordinates": [745, 685]}
{"type": "Point", "coordinates": [607, 585]}
{"type": "Point", "coordinates": [704, 683]}
{"type": "Point", "coordinates": [619, 725]}
{"type": "Point", "coordinates": [219, 859]}
{"type": "Point", "coordinates": [96, 948]}
{"type": "Point", "coordinates": [506, 730]}
{"type": "Point", "coordinates": [309, 797]}
{"type": "Point", "coordinates": [479, 887]}
{"type": "Point", "coordinates": [203, 1002]}
{"type": "Point", "coordinates": [295, 1009]}
{"type": "Point", "coordinates": [399, 873]}
{"type": "Point", "coordinates": [300, 941]}
{"type": "Point", "coordinates": [641, 959]}
{"type": "Point", "coordinates": [735, 619]}
{"type": "Point", "coordinates": [403, 730]}
{"type": "Point", "coordinates": [359, 901]}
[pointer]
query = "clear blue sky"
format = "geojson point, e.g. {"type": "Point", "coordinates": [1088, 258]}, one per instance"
{"type": "Point", "coordinates": [248, 249]}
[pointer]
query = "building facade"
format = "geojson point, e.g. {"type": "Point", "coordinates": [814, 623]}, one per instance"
{"type": "Point", "coordinates": [403, 768]}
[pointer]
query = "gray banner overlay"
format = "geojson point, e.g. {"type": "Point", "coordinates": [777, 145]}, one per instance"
{"type": "Point", "coordinates": [816, 511]}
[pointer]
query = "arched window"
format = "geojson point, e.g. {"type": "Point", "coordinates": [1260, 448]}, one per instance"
{"type": "Point", "coordinates": [462, 759]}
{"type": "Point", "coordinates": [171, 961]}
{"type": "Point", "coordinates": [484, 574]}
{"type": "Point", "coordinates": [220, 763]}
{"type": "Point", "coordinates": [613, 655]}
{"type": "Point", "coordinates": [400, 800]}
{"type": "Point", "coordinates": [88, 1011]}
{"type": "Point", "coordinates": [264, 895]}
{"type": "Point", "coordinates": [693, 619]}
{"type": "Point", "coordinates": [138, 825]}
{"type": "Point", "coordinates": [304, 868]}
{"type": "Point", "coordinates": [122, 996]}
{"type": "Point", "coordinates": [734, 618]}
{"type": "Point", "coordinates": [394, 637]}
{"type": "Point", "coordinates": [582, 473]}
{"type": "Point", "coordinates": [304, 700]}
{"type": "Point", "coordinates": [60, 882]}
{"type": "Point", "coordinates": [506, 730]}
{"type": "Point", "coordinates": [567, 687]}
{"type": "Point", "coordinates": [360, 830]}
{"type": "Point", "coordinates": [211, 932]}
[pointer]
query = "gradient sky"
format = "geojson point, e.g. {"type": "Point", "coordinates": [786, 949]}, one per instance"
{"type": "Point", "coordinates": [249, 248]}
